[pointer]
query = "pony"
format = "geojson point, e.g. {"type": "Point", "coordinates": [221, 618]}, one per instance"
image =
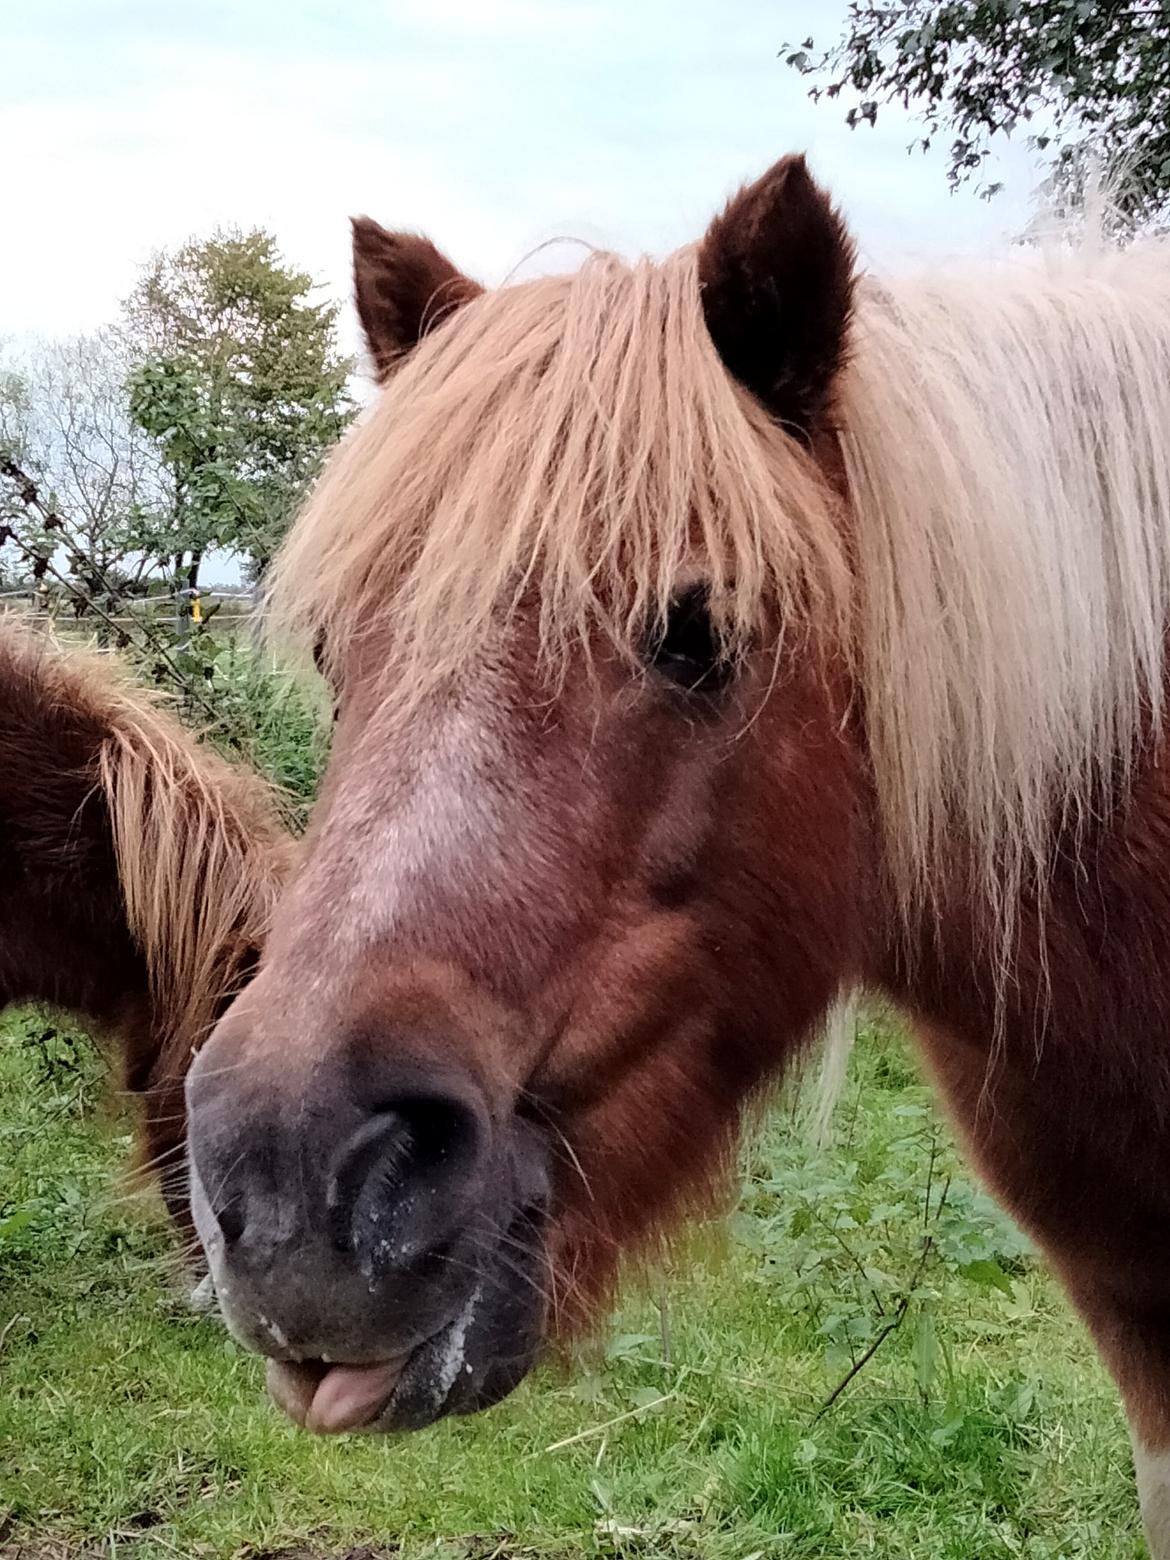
{"type": "Point", "coordinates": [139, 872]}
{"type": "Point", "coordinates": [709, 638]}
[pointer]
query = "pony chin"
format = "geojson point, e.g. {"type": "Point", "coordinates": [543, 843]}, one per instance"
{"type": "Point", "coordinates": [472, 1363]}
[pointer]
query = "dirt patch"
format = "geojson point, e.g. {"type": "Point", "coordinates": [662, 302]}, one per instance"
{"type": "Point", "coordinates": [52, 1549]}
{"type": "Point", "coordinates": [461, 1549]}
{"type": "Point", "coordinates": [318, 1554]}
{"type": "Point", "coordinates": [43, 1549]}
{"type": "Point", "coordinates": [61, 1549]}
{"type": "Point", "coordinates": [471, 1547]}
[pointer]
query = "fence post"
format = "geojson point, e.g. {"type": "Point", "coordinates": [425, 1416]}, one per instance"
{"type": "Point", "coordinates": [187, 611]}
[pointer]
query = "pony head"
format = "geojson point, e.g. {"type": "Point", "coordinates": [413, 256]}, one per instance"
{"type": "Point", "coordinates": [584, 869]}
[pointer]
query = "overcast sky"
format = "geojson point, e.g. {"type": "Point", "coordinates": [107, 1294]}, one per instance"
{"type": "Point", "coordinates": [492, 125]}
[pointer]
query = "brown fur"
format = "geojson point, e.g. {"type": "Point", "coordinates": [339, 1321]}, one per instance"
{"type": "Point", "coordinates": [1068, 1118]}
{"type": "Point", "coordinates": [138, 869]}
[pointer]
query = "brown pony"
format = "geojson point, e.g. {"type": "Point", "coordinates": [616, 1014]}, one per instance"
{"type": "Point", "coordinates": [139, 871]}
{"type": "Point", "coordinates": [708, 638]}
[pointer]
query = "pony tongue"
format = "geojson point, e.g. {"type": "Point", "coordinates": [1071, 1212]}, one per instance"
{"type": "Point", "coordinates": [351, 1395]}
{"type": "Point", "coordinates": [330, 1399]}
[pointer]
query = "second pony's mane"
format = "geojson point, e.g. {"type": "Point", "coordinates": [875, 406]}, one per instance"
{"type": "Point", "coordinates": [198, 845]}
{"type": "Point", "coordinates": [1001, 583]}
{"type": "Point", "coordinates": [202, 857]}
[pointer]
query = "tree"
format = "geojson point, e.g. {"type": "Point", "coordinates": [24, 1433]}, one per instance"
{"type": "Point", "coordinates": [1092, 77]}
{"type": "Point", "coordinates": [101, 468]}
{"type": "Point", "coordinates": [14, 411]}
{"type": "Point", "coordinates": [65, 423]}
{"type": "Point", "coordinates": [14, 446]}
{"type": "Point", "coordinates": [239, 381]}
{"type": "Point", "coordinates": [14, 428]}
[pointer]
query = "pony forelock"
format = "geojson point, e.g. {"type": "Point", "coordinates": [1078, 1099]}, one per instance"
{"type": "Point", "coordinates": [573, 441]}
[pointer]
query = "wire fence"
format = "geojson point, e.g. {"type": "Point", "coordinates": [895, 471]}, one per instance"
{"type": "Point", "coordinates": [179, 639]}
{"type": "Point", "coordinates": [180, 611]}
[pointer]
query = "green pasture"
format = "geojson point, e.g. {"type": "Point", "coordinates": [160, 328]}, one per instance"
{"type": "Point", "coordinates": [702, 1422]}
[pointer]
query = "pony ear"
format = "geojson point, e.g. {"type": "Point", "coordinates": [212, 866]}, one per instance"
{"type": "Point", "coordinates": [403, 287]}
{"type": "Point", "coordinates": [776, 270]}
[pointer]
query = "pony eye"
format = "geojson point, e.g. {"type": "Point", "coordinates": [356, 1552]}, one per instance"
{"type": "Point", "coordinates": [320, 661]}
{"type": "Point", "coordinates": [687, 649]}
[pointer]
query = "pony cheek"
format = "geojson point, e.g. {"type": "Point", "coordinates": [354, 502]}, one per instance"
{"type": "Point", "coordinates": [635, 994]}
{"type": "Point", "coordinates": [655, 1148]}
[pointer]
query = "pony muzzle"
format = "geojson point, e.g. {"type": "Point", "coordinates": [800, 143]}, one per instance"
{"type": "Point", "coordinates": [380, 1236]}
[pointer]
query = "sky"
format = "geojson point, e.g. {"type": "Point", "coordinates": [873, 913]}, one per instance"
{"type": "Point", "coordinates": [494, 126]}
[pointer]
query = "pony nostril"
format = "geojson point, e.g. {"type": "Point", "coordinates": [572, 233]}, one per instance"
{"type": "Point", "coordinates": [374, 1159]}
{"type": "Point", "coordinates": [230, 1217]}
{"type": "Point", "coordinates": [401, 1181]}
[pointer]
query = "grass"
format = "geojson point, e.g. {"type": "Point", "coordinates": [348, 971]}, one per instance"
{"type": "Point", "coordinates": [982, 1427]}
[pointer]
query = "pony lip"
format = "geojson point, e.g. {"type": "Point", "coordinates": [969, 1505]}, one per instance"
{"type": "Point", "coordinates": [413, 1389]}
{"type": "Point", "coordinates": [331, 1399]}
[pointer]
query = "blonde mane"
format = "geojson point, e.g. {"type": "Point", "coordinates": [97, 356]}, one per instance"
{"type": "Point", "coordinates": [1002, 581]}
{"type": "Point", "coordinates": [1006, 434]}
